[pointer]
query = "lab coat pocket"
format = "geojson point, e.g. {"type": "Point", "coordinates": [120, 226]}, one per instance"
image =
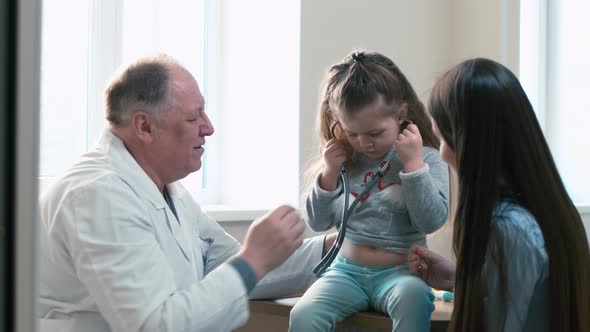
{"type": "Point", "coordinates": [205, 244]}
{"type": "Point", "coordinates": [87, 321]}
{"type": "Point", "coordinates": [55, 325]}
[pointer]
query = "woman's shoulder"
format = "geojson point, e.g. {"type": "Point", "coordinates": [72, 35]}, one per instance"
{"type": "Point", "coordinates": [511, 213]}
{"type": "Point", "coordinates": [516, 226]}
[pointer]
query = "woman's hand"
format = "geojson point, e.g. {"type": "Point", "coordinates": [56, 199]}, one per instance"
{"type": "Point", "coordinates": [334, 156]}
{"type": "Point", "coordinates": [409, 147]}
{"type": "Point", "coordinates": [435, 270]}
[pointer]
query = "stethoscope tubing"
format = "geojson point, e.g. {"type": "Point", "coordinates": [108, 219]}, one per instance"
{"type": "Point", "coordinates": [347, 211]}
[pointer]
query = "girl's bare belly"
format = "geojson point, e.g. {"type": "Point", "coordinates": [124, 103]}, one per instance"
{"type": "Point", "coordinates": [369, 255]}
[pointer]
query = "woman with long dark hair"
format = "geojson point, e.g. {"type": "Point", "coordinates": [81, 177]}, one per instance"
{"type": "Point", "coordinates": [523, 262]}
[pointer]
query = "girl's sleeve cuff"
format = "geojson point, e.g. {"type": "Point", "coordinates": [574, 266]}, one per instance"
{"type": "Point", "coordinates": [326, 193]}
{"type": "Point", "coordinates": [417, 173]}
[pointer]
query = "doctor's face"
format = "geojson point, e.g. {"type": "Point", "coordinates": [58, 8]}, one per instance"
{"type": "Point", "coordinates": [182, 129]}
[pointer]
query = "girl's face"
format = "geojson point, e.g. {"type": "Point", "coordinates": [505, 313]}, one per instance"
{"type": "Point", "coordinates": [372, 129]}
{"type": "Point", "coordinates": [446, 153]}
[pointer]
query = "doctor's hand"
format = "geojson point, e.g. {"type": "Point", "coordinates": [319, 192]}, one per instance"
{"type": "Point", "coordinates": [272, 238]}
{"type": "Point", "coordinates": [434, 269]}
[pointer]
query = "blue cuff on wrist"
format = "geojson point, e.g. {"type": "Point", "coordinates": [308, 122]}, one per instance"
{"type": "Point", "coordinates": [246, 272]}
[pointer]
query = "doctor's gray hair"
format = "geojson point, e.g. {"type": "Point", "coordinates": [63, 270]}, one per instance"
{"type": "Point", "coordinates": [143, 86]}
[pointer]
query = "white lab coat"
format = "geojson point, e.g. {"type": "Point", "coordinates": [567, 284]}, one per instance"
{"type": "Point", "coordinates": [115, 258]}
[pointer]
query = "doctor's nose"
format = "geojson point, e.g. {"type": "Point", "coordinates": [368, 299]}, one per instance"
{"type": "Point", "coordinates": [206, 128]}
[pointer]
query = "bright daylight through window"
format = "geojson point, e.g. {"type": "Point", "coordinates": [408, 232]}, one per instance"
{"type": "Point", "coordinates": [554, 70]}
{"type": "Point", "coordinates": [232, 53]}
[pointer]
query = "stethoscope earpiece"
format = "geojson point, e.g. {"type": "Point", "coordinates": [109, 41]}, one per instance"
{"type": "Point", "coordinates": [404, 124]}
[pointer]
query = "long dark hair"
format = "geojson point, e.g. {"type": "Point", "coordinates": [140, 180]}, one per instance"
{"type": "Point", "coordinates": [485, 117]}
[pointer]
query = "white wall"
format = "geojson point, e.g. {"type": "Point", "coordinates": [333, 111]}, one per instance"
{"type": "Point", "coordinates": [486, 28]}
{"type": "Point", "coordinates": [414, 34]}
{"type": "Point", "coordinates": [423, 37]}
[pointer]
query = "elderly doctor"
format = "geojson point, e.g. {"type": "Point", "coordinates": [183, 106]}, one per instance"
{"type": "Point", "coordinates": [123, 245]}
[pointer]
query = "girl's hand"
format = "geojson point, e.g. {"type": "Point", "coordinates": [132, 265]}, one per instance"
{"type": "Point", "coordinates": [435, 270]}
{"type": "Point", "coordinates": [334, 156]}
{"type": "Point", "coordinates": [409, 146]}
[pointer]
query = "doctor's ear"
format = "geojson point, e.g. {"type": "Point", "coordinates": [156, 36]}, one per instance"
{"type": "Point", "coordinates": [142, 125]}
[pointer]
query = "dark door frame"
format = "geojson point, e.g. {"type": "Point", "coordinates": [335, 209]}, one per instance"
{"type": "Point", "coordinates": [20, 49]}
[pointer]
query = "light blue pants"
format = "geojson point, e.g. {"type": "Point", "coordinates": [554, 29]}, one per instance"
{"type": "Point", "coordinates": [347, 287]}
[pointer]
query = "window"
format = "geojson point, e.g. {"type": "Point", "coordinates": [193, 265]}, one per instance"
{"type": "Point", "coordinates": [554, 70]}
{"type": "Point", "coordinates": [79, 55]}
{"type": "Point", "coordinates": [64, 68]}
{"type": "Point", "coordinates": [246, 63]}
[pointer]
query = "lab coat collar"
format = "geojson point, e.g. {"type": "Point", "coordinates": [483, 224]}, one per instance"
{"type": "Point", "coordinates": [124, 162]}
{"type": "Point", "coordinates": [113, 146]}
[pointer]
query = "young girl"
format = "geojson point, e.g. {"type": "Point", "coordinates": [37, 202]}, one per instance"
{"type": "Point", "coordinates": [523, 262]}
{"type": "Point", "coordinates": [366, 100]}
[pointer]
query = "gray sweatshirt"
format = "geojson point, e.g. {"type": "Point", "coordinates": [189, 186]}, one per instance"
{"type": "Point", "coordinates": [398, 212]}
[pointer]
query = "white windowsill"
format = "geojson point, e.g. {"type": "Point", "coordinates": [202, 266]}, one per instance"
{"type": "Point", "coordinates": [225, 213]}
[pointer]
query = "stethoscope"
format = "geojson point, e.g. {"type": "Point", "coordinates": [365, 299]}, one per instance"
{"type": "Point", "coordinates": [321, 267]}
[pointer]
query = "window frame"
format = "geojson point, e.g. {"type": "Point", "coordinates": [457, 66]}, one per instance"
{"type": "Point", "coordinates": [222, 191]}
{"type": "Point", "coordinates": [537, 66]}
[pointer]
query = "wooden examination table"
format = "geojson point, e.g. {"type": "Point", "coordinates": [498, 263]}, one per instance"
{"type": "Point", "coordinates": [273, 316]}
